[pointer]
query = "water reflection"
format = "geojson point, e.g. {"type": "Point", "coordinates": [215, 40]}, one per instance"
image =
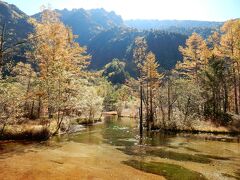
{"type": "Point", "coordinates": [155, 152]}
{"type": "Point", "coordinates": [190, 152]}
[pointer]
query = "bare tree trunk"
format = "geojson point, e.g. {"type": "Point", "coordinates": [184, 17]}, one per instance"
{"type": "Point", "coordinates": [59, 125]}
{"type": "Point", "coordinates": [151, 108]}
{"type": "Point", "coordinates": [169, 101]}
{"type": "Point", "coordinates": [27, 92]}
{"type": "Point", "coordinates": [147, 106]}
{"type": "Point", "coordinates": [187, 109]}
{"type": "Point", "coordinates": [50, 116]}
{"type": "Point", "coordinates": [219, 99]}
{"type": "Point", "coordinates": [32, 109]}
{"type": "Point", "coordinates": [214, 102]}
{"type": "Point", "coordinates": [235, 92]}
{"type": "Point", "coordinates": [39, 107]}
{"type": "Point", "coordinates": [163, 114]}
{"type": "Point", "coordinates": [141, 111]}
{"type": "Point", "coordinates": [238, 67]}
{"type": "Point", "coordinates": [225, 101]}
{"type": "Point", "coordinates": [59, 99]}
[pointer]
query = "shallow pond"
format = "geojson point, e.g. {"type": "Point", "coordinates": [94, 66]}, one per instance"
{"type": "Point", "coordinates": [114, 150]}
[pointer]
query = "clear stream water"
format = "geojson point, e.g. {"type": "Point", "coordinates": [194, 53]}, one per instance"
{"type": "Point", "coordinates": [173, 156]}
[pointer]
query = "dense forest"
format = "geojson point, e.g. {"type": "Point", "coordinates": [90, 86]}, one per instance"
{"type": "Point", "coordinates": [186, 27]}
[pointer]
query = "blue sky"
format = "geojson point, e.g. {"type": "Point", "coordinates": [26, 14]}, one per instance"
{"type": "Point", "coordinates": [213, 10]}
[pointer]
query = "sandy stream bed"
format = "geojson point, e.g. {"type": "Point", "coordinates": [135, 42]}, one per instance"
{"type": "Point", "coordinates": [70, 161]}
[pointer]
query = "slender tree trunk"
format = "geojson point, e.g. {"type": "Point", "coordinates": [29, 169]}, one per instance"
{"type": "Point", "coordinates": [238, 65]}
{"type": "Point", "coordinates": [214, 102]}
{"type": "Point", "coordinates": [187, 109]}
{"type": "Point", "coordinates": [60, 120]}
{"type": "Point", "coordinates": [27, 92]}
{"type": "Point", "coordinates": [235, 91]}
{"type": "Point", "coordinates": [59, 99]}
{"type": "Point", "coordinates": [59, 125]}
{"type": "Point", "coordinates": [141, 110]}
{"type": "Point", "coordinates": [50, 116]}
{"type": "Point", "coordinates": [225, 101]}
{"type": "Point", "coordinates": [39, 107]}
{"type": "Point", "coordinates": [151, 107]}
{"type": "Point", "coordinates": [32, 109]}
{"type": "Point", "coordinates": [147, 106]}
{"type": "Point", "coordinates": [163, 116]}
{"type": "Point", "coordinates": [169, 100]}
{"type": "Point", "coordinates": [219, 99]}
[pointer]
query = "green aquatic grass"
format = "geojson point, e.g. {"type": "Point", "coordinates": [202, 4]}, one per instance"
{"type": "Point", "coordinates": [120, 142]}
{"type": "Point", "coordinates": [166, 154]}
{"type": "Point", "coordinates": [169, 171]}
{"type": "Point", "coordinates": [178, 156]}
{"type": "Point", "coordinates": [119, 136]}
{"type": "Point", "coordinates": [191, 149]}
{"type": "Point", "coordinates": [213, 157]}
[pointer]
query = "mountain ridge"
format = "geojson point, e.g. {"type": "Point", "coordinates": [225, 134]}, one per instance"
{"type": "Point", "coordinates": [170, 22]}
{"type": "Point", "coordinates": [107, 35]}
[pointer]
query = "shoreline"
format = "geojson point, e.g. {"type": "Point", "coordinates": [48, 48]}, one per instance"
{"type": "Point", "coordinates": [215, 132]}
{"type": "Point", "coordinates": [39, 132]}
{"type": "Point", "coordinates": [44, 133]}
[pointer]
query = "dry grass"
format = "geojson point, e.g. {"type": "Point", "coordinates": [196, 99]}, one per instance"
{"type": "Point", "coordinates": [18, 132]}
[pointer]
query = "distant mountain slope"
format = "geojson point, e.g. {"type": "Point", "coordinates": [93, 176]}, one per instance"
{"type": "Point", "coordinates": [186, 27]}
{"type": "Point", "coordinates": [17, 29]}
{"type": "Point", "coordinates": [113, 43]}
{"type": "Point", "coordinates": [119, 43]}
{"type": "Point", "coordinates": [106, 38]}
{"type": "Point", "coordinates": [17, 26]}
{"type": "Point", "coordinates": [165, 24]}
{"type": "Point", "coordinates": [88, 23]}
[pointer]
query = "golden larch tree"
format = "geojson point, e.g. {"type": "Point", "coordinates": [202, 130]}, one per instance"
{"type": "Point", "coordinates": [195, 56]}
{"type": "Point", "coordinates": [151, 79]}
{"type": "Point", "coordinates": [59, 60]}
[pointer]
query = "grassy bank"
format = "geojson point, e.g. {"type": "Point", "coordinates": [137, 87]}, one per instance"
{"type": "Point", "coordinates": [39, 130]}
{"type": "Point", "coordinates": [196, 131]}
{"type": "Point", "coordinates": [37, 133]}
